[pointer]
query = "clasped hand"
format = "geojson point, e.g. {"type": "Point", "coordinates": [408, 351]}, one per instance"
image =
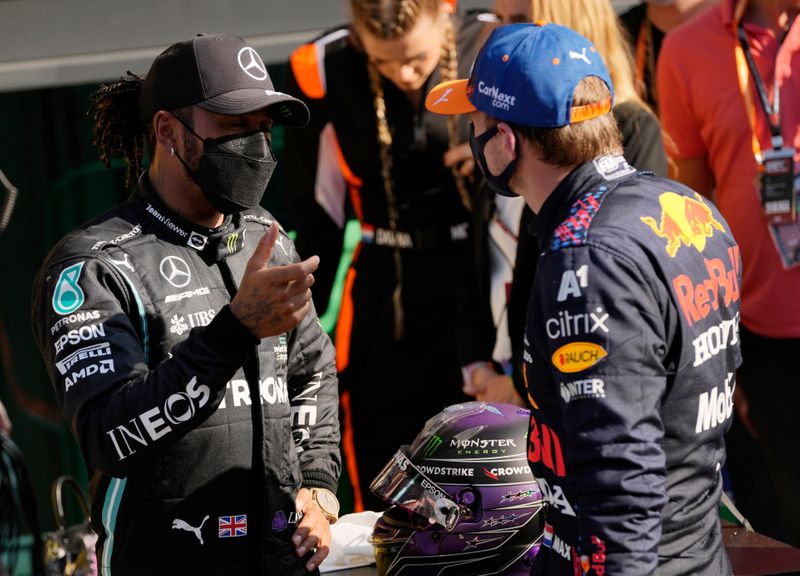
{"type": "Point", "coordinates": [313, 532]}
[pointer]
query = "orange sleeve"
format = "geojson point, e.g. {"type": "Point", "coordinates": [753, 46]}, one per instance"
{"type": "Point", "coordinates": [305, 64]}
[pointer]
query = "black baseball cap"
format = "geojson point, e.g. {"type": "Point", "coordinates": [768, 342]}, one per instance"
{"type": "Point", "coordinates": [220, 73]}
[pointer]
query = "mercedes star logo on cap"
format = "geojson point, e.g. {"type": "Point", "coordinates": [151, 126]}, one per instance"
{"type": "Point", "coordinates": [251, 63]}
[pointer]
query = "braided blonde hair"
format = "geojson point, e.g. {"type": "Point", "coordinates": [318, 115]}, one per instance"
{"type": "Point", "coordinates": [388, 19]}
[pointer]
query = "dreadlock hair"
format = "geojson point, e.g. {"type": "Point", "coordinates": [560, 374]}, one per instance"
{"type": "Point", "coordinates": [118, 128]}
{"type": "Point", "coordinates": [389, 19]}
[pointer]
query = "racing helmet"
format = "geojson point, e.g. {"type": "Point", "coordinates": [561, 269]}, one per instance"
{"type": "Point", "coordinates": [464, 500]}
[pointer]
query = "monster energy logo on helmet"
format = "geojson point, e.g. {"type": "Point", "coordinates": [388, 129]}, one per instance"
{"type": "Point", "coordinates": [431, 445]}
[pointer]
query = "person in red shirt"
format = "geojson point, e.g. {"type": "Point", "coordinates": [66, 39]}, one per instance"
{"type": "Point", "coordinates": [721, 129]}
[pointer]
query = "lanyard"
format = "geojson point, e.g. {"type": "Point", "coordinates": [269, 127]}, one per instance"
{"type": "Point", "coordinates": [746, 67]}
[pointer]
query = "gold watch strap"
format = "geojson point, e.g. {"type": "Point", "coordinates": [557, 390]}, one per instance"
{"type": "Point", "coordinates": [328, 496]}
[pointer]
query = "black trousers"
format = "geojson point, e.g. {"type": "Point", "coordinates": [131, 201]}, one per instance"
{"type": "Point", "coordinates": [396, 384]}
{"type": "Point", "coordinates": [765, 471]}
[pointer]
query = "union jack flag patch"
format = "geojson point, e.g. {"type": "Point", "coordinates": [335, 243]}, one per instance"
{"type": "Point", "coordinates": [233, 526]}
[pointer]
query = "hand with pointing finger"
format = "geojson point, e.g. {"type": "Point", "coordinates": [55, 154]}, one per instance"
{"type": "Point", "coordinates": [273, 299]}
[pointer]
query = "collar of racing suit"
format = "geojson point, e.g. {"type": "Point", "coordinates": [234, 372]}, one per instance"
{"type": "Point", "coordinates": [213, 244]}
{"type": "Point", "coordinates": [606, 170]}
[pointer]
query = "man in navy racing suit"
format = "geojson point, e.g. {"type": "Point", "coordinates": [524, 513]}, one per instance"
{"type": "Point", "coordinates": [631, 343]}
{"type": "Point", "coordinates": [180, 337]}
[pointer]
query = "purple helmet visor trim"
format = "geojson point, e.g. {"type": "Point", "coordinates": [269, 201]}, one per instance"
{"type": "Point", "coordinates": [403, 484]}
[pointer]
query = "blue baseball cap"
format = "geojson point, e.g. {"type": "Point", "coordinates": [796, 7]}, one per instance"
{"type": "Point", "coordinates": [527, 74]}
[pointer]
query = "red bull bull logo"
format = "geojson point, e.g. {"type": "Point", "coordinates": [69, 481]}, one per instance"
{"type": "Point", "coordinates": [683, 221]}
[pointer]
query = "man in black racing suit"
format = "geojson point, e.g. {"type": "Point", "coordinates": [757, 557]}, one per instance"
{"type": "Point", "coordinates": [181, 341]}
{"type": "Point", "coordinates": [631, 343]}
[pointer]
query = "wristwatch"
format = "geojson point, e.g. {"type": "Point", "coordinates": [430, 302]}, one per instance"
{"type": "Point", "coordinates": [327, 502]}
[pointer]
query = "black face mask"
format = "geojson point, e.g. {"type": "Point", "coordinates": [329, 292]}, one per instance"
{"type": "Point", "coordinates": [234, 170]}
{"type": "Point", "coordinates": [499, 183]}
